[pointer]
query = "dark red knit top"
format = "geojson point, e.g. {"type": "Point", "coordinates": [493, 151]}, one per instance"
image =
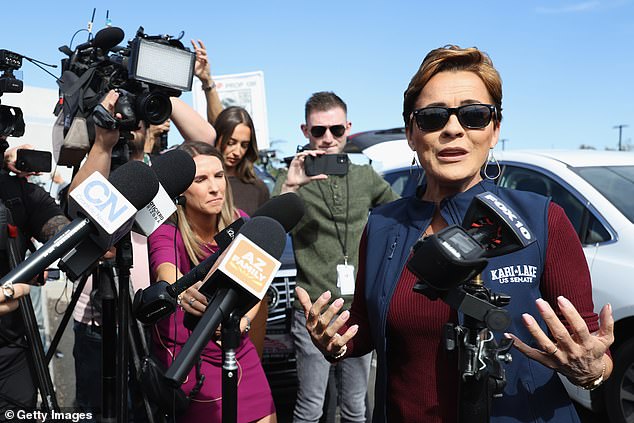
{"type": "Point", "coordinates": [422, 380]}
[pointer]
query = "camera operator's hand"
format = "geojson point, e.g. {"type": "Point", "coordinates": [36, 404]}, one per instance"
{"type": "Point", "coordinates": [100, 153]}
{"type": "Point", "coordinates": [107, 138]}
{"type": "Point", "coordinates": [153, 134]}
{"type": "Point", "coordinates": [296, 176]}
{"type": "Point", "coordinates": [324, 327]}
{"type": "Point", "coordinates": [202, 68]}
{"type": "Point", "coordinates": [7, 305]}
{"type": "Point", "coordinates": [10, 157]}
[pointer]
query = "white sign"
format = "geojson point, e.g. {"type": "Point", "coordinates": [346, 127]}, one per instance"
{"type": "Point", "coordinates": [245, 90]}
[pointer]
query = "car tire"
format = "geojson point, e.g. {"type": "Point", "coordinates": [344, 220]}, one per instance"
{"type": "Point", "coordinates": [619, 388]}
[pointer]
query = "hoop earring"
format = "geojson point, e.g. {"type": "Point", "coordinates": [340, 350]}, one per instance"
{"type": "Point", "coordinates": [491, 160]}
{"type": "Point", "coordinates": [414, 166]}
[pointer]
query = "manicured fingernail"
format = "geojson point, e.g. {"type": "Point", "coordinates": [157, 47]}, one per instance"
{"type": "Point", "coordinates": [563, 302]}
{"type": "Point", "coordinates": [345, 315]}
{"type": "Point", "coordinates": [528, 319]}
{"type": "Point", "coordinates": [338, 302]}
{"type": "Point", "coordinates": [541, 304]}
{"type": "Point", "coordinates": [507, 335]}
{"type": "Point", "coordinates": [326, 295]}
{"type": "Point", "coordinates": [354, 328]}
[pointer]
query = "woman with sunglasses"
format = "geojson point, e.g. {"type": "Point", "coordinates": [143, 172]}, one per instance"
{"type": "Point", "coordinates": [174, 249]}
{"type": "Point", "coordinates": [452, 111]}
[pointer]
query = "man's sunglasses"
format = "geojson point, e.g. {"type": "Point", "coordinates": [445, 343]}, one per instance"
{"type": "Point", "coordinates": [470, 116]}
{"type": "Point", "coordinates": [319, 130]}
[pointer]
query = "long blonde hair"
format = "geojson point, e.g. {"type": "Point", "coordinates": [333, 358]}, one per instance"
{"type": "Point", "coordinates": [227, 214]}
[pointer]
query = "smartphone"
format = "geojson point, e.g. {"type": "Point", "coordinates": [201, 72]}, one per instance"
{"type": "Point", "coordinates": [33, 160]}
{"type": "Point", "coordinates": [328, 164]}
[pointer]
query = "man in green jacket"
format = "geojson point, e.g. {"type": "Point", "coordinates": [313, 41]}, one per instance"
{"type": "Point", "coordinates": [326, 245]}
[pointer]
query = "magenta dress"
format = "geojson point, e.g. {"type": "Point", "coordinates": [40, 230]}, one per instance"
{"type": "Point", "coordinates": [254, 394]}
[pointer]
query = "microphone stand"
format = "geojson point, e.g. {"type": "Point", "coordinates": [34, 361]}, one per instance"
{"type": "Point", "coordinates": [231, 337]}
{"type": "Point", "coordinates": [480, 357]}
{"type": "Point", "coordinates": [124, 263]}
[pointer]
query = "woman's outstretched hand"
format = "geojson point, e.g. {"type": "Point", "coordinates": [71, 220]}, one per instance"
{"type": "Point", "coordinates": [323, 327]}
{"type": "Point", "coordinates": [580, 355]}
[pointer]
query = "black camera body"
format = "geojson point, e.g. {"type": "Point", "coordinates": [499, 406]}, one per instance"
{"type": "Point", "coordinates": [11, 118]}
{"type": "Point", "coordinates": [99, 66]}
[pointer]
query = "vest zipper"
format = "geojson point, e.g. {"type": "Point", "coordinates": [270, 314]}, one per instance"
{"type": "Point", "coordinates": [393, 247]}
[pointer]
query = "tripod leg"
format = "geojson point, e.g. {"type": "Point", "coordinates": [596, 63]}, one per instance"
{"type": "Point", "coordinates": [67, 316]}
{"type": "Point", "coordinates": [108, 344]}
{"type": "Point", "coordinates": [38, 360]}
{"type": "Point", "coordinates": [139, 348]}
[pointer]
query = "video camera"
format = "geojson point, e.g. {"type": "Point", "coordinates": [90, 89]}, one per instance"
{"type": "Point", "coordinates": [11, 118]}
{"type": "Point", "coordinates": [146, 73]}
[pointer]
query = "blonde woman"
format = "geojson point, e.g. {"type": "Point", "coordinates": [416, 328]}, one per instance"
{"type": "Point", "coordinates": [174, 249]}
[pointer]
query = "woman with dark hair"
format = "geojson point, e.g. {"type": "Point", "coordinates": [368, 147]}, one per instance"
{"type": "Point", "coordinates": [237, 143]}
{"type": "Point", "coordinates": [207, 210]}
{"type": "Point", "coordinates": [452, 110]}
{"type": "Point", "coordinates": [236, 140]}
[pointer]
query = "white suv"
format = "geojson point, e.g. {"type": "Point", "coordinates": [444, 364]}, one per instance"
{"type": "Point", "coordinates": [596, 189]}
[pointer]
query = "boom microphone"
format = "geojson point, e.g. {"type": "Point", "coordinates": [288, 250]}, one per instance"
{"type": "Point", "coordinates": [238, 280]}
{"type": "Point", "coordinates": [103, 210]}
{"type": "Point", "coordinates": [105, 39]}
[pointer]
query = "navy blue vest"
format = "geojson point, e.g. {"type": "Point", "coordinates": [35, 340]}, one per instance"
{"type": "Point", "coordinates": [533, 393]}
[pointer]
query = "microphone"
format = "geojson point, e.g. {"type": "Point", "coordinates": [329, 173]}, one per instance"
{"type": "Point", "coordinates": [103, 211]}
{"type": "Point", "coordinates": [175, 171]}
{"type": "Point", "coordinates": [288, 209]}
{"type": "Point", "coordinates": [238, 281]}
{"type": "Point", "coordinates": [159, 300]}
{"type": "Point", "coordinates": [105, 39]}
{"type": "Point", "coordinates": [456, 254]}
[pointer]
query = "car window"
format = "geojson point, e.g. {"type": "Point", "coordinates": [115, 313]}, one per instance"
{"type": "Point", "coordinates": [616, 183]}
{"type": "Point", "coordinates": [404, 181]}
{"type": "Point", "coordinates": [588, 227]}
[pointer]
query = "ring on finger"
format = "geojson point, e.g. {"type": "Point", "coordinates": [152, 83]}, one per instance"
{"type": "Point", "coordinates": [554, 351]}
{"type": "Point", "coordinates": [191, 301]}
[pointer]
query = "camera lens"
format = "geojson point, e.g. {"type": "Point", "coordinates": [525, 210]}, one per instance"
{"type": "Point", "coordinates": [154, 107]}
{"type": "Point", "coordinates": [11, 121]}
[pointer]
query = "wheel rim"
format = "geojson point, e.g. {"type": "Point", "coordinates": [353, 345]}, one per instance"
{"type": "Point", "coordinates": [626, 394]}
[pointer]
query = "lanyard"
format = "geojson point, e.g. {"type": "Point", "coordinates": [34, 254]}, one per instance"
{"type": "Point", "coordinates": [343, 242]}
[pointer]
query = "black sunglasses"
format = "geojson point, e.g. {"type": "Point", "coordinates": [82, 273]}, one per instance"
{"type": "Point", "coordinates": [470, 116]}
{"type": "Point", "coordinates": [319, 130]}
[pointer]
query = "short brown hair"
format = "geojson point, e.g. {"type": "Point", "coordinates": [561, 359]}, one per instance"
{"type": "Point", "coordinates": [453, 58]}
{"type": "Point", "coordinates": [323, 101]}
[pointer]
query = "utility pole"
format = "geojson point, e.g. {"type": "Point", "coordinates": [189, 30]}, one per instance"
{"type": "Point", "coordinates": [504, 141]}
{"type": "Point", "coordinates": [620, 132]}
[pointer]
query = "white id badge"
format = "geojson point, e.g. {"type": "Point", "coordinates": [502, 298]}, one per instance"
{"type": "Point", "coordinates": [345, 279]}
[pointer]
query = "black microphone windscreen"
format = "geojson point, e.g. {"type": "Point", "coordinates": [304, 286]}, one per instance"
{"type": "Point", "coordinates": [175, 171]}
{"type": "Point", "coordinates": [107, 38]}
{"type": "Point", "coordinates": [287, 209]}
{"type": "Point", "coordinates": [266, 233]}
{"type": "Point", "coordinates": [136, 181]}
